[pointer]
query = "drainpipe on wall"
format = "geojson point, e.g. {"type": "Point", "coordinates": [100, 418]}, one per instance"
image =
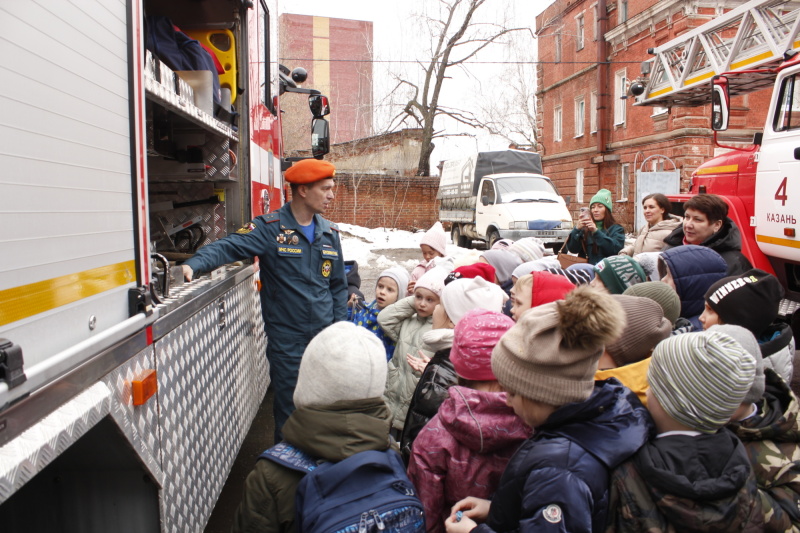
{"type": "Point", "coordinates": [603, 98]}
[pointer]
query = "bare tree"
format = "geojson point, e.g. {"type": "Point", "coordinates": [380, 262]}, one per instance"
{"type": "Point", "coordinates": [457, 36]}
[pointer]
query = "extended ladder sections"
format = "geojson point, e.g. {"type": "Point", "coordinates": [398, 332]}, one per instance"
{"type": "Point", "coordinates": [748, 40]}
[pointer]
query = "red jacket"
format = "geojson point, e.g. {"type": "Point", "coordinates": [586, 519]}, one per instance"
{"type": "Point", "coordinates": [463, 451]}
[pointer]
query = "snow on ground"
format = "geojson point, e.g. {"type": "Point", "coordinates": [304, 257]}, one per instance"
{"type": "Point", "coordinates": [359, 243]}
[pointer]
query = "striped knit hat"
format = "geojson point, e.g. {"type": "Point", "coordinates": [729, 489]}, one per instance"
{"type": "Point", "coordinates": [700, 379]}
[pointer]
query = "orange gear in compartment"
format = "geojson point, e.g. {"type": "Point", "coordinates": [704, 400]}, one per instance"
{"type": "Point", "coordinates": [223, 44]}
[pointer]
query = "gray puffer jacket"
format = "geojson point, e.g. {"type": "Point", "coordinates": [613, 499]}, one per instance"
{"type": "Point", "coordinates": [778, 349]}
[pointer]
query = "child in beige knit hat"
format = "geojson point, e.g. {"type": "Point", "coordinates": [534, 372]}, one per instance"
{"type": "Point", "coordinates": [558, 479]}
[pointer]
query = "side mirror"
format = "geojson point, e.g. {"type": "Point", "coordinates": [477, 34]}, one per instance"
{"type": "Point", "coordinates": [320, 138]}
{"type": "Point", "coordinates": [720, 103]}
{"type": "Point", "coordinates": [319, 105]}
{"type": "Point", "coordinates": [485, 200]}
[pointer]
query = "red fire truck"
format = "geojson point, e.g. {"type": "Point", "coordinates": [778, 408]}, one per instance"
{"type": "Point", "coordinates": [752, 47]}
{"type": "Point", "coordinates": [125, 394]}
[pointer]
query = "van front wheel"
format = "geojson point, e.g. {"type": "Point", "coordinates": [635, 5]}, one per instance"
{"type": "Point", "coordinates": [494, 236]}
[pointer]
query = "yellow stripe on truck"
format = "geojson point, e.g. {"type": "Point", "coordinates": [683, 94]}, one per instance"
{"type": "Point", "coordinates": [717, 170]}
{"type": "Point", "coordinates": [780, 242]}
{"type": "Point", "coordinates": [28, 300]}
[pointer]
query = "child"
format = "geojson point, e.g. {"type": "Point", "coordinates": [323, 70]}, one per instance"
{"type": "Point", "coordinates": [537, 289]}
{"type": "Point", "coordinates": [767, 424]}
{"type": "Point", "coordinates": [628, 357]}
{"type": "Point", "coordinates": [692, 476]}
{"type": "Point", "coordinates": [616, 273]}
{"type": "Point", "coordinates": [752, 300]}
{"type": "Point", "coordinates": [391, 283]}
{"type": "Point", "coordinates": [558, 479]}
{"type": "Point", "coordinates": [690, 270]}
{"type": "Point", "coordinates": [660, 293]}
{"type": "Point", "coordinates": [433, 245]}
{"type": "Point", "coordinates": [458, 297]}
{"type": "Point", "coordinates": [405, 322]}
{"type": "Point", "coordinates": [339, 413]}
{"type": "Point", "coordinates": [465, 447]}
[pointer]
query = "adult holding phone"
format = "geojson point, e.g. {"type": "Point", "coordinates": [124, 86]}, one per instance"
{"type": "Point", "coordinates": [597, 235]}
{"type": "Point", "coordinates": [660, 223]}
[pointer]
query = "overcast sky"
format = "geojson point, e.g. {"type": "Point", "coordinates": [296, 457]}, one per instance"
{"type": "Point", "coordinates": [398, 43]}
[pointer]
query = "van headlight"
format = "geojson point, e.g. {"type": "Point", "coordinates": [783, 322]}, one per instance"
{"type": "Point", "coordinates": [518, 224]}
{"type": "Point", "coordinates": [566, 224]}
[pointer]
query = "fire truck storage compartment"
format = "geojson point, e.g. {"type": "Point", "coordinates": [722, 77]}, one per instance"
{"type": "Point", "coordinates": [194, 179]}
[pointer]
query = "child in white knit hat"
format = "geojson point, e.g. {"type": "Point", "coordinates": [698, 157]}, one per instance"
{"type": "Point", "coordinates": [405, 322]}
{"type": "Point", "coordinates": [694, 475]}
{"type": "Point", "coordinates": [390, 286]}
{"type": "Point", "coordinates": [432, 245]}
{"type": "Point", "coordinates": [558, 479]}
{"type": "Point", "coordinates": [339, 413]}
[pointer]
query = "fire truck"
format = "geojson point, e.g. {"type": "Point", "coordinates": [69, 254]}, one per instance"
{"type": "Point", "coordinates": [752, 47]}
{"type": "Point", "coordinates": [125, 393]}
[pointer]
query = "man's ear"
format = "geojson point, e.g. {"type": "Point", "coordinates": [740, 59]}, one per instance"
{"type": "Point", "coordinates": [302, 190]}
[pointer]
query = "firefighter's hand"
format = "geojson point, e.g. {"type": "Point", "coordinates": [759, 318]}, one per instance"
{"type": "Point", "coordinates": [187, 272]}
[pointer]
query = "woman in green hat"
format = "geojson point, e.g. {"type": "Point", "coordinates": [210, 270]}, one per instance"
{"type": "Point", "coordinates": [597, 235]}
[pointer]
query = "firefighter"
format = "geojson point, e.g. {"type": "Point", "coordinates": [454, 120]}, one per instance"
{"type": "Point", "coordinates": [304, 288]}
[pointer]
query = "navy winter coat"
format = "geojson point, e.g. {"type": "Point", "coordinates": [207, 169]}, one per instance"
{"type": "Point", "coordinates": [559, 478]}
{"type": "Point", "coordinates": [694, 269]}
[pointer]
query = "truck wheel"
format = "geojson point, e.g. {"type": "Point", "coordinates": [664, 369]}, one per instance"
{"type": "Point", "coordinates": [458, 239]}
{"type": "Point", "coordinates": [494, 236]}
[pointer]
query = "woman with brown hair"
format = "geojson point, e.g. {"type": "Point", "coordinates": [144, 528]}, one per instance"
{"type": "Point", "coordinates": [597, 235]}
{"type": "Point", "coordinates": [660, 223]}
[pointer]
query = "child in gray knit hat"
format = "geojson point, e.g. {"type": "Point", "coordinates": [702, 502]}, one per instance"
{"type": "Point", "coordinates": [558, 479]}
{"type": "Point", "coordinates": [694, 475]}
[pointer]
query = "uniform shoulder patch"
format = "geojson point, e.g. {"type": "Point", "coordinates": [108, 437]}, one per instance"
{"type": "Point", "coordinates": [334, 227]}
{"type": "Point", "coordinates": [271, 217]}
{"type": "Point", "coordinates": [552, 513]}
{"type": "Point", "coordinates": [247, 228]}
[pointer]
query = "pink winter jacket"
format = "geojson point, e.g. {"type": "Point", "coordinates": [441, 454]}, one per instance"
{"type": "Point", "coordinates": [463, 451]}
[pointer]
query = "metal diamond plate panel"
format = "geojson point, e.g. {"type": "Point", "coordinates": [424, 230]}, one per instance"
{"type": "Point", "coordinates": [138, 423]}
{"type": "Point", "coordinates": [213, 375]}
{"type": "Point", "coordinates": [28, 454]}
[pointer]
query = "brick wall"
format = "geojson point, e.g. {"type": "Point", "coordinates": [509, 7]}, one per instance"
{"type": "Point", "coordinates": [384, 201]}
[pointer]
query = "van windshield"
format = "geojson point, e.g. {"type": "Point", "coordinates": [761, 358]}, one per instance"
{"type": "Point", "coordinates": [525, 189]}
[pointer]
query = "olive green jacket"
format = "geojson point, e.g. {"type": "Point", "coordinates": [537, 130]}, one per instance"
{"type": "Point", "coordinates": [330, 433]}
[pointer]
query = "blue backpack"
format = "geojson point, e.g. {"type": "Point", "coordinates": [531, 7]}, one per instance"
{"type": "Point", "coordinates": [367, 492]}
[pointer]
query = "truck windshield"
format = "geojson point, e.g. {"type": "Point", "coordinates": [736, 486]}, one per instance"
{"type": "Point", "coordinates": [525, 189]}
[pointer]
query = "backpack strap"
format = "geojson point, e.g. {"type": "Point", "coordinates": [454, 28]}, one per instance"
{"type": "Point", "coordinates": [293, 458]}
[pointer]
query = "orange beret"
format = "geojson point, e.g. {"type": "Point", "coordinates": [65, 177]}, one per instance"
{"type": "Point", "coordinates": [309, 171]}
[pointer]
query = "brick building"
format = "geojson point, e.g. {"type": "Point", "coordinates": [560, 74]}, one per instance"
{"type": "Point", "coordinates": [337, 53]}
{"type": "Point", "coordinates": [591, 137]}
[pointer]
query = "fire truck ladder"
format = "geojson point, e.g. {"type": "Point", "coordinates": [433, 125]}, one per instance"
{"type": "Point", "coordinates": [752, 36]}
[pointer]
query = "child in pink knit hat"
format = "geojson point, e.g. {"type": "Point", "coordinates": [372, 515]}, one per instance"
{"type": "Point", "coordinates": [433, 245]}
{"type": "Point", "coordinates": [464, 449]}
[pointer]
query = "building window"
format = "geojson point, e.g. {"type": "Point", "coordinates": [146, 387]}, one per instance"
{"type": "Point", "coordinates": [579, 32]}
{"type": "Point", "coordinates": [579, 185]}
{"type": "Point", "coordinates": [557, 123]}
{"type": "Point", "coordinates": [580, 113]}
{"type": "Point", "coordinates": [624, 182]}
{"type": "Point", "coordinates": [593, 112]}
{"type": "Point", "coordinates": [620, 82]}
{"type": "Point", "coordinates": [558, 46]}
{"type": "Point", "coordinates": [623, 11]}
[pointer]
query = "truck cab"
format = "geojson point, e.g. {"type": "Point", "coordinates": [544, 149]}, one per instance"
{"type": "Point", "coordinates": [507, 202]}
